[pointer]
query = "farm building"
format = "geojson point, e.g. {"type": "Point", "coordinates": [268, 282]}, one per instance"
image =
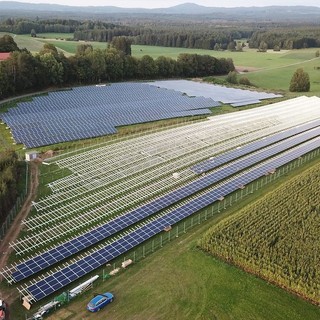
{"type": "Point", "coordinates": [4, 56]}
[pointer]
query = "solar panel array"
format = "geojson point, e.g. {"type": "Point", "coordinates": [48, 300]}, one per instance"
{"type": "Point", "coordinates": [109, 186]}
{"type": "Point", "coordinates": [87, 112]}
{"type": "Point", "coordinates": [235, 97]}
{"type": "Point", "coordinates": [61, 252]}
{"type": "Point", "coordinates": [70, 273]}
{"type": "Point", "coordinates": [213, 162]}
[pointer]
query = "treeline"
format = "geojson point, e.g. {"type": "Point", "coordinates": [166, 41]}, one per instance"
{"type": "Point", "coordinates": [169, 33]}
{"type": "Point", "coordinates": [202, 36]}
{"type": "Point", "coordinates": [186, 37]}
{"type": "Point", "coordinates": [9, 173]}
{"type": "Point", "coordinates": [296, 38]}
{"type": "Point", "coordinates": [25, 26]}
{"type": "Point", "coordinates": [26, 72]}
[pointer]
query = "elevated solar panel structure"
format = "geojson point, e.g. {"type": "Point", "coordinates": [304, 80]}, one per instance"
{"type": "Point", "coordinates": [69, 248]}
{"type": "Point", "coordinates": [235, 97]}
{"type": "Point", "coordinates": [216, 161]}
{"type": "Point", "coordinates": [87, 112]}
{"type": "Point", "coordinates": [70, 273]}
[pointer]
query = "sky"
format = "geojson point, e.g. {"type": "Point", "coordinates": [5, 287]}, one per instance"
{"type": "Point", "coordinates": [170, 3]}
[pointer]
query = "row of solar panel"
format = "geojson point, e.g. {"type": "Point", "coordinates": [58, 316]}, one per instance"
{"type": "Point", "coordinates": [67, 249]}
{"type": "Point", "coordinates": [115, 94]}
{"type": "Point", "coordinates": [68, 274]}
{"type": "Point", "coordinates": [214, 162]}
{"type": "Point", "coordinates": [52, 131]}
{"type": "Point", "coordinates": [90, 112]}
{"type": "Point", "coordinates": [92, 109]}
{"type": "Point", "coordinates": [236, 97]}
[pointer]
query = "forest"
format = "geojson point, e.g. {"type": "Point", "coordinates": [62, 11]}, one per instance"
{"type": "Point", "coordinates": [169, 34]}
{"type": "Point", "coordinates": [277, 237]}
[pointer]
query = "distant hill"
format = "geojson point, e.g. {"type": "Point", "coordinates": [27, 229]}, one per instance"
{"type": "Point", "coordinates": [305, 13]}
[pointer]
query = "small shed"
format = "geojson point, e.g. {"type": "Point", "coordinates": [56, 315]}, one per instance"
{"type": "Point", "coordinates": [31, 155]}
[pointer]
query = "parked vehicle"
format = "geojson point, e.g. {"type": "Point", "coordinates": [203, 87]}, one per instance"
{"type": "Point", "coordinates": [100, 301]}
{"type": "Point", "coordinates": [3, 308]}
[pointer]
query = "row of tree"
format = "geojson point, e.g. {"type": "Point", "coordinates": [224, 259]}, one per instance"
{"type": "Point", "coordinates": [24, 71]}
{"type": "Point", "coordinates": [157, 34]}
{"type": "Point", "coordinates": [9, 173]}
{"type": "Point", "coordinates": [283, 38]}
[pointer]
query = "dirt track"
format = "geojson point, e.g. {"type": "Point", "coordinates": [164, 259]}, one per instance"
{"type": "Point", "coordinates": [15, 228]}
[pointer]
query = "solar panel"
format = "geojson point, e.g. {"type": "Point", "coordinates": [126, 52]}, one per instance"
{"type": "Point", "coordinates": [214, 162]}
{"type": "Point", "coordinates": [87, 112]}
{"type": "Point", "coordinates": [65, 250]}
{"type": "Point", "coordinates": [59, 279]}
{"type": "Point", "coordinates": [233, 96]}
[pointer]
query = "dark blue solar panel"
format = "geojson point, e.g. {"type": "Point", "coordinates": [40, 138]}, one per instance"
{"type": "Point", "coordinates": [45, 287]}
{"type": "Point", "coordinates": [87, 112]}
{"type": "Point", "coordinates": [234, 154]}
{"type": "Point", "coordinates": [121, 222]}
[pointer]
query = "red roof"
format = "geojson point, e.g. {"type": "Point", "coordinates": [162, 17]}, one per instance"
{"type": "Point", "coordinates": [4, 55]}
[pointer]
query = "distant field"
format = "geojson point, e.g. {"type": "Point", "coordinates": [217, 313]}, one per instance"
{"type": "Point", "coordinates": [55, 35]}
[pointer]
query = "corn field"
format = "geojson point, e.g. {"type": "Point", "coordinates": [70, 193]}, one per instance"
{"type": "Point", "coordinates": [277, 237]}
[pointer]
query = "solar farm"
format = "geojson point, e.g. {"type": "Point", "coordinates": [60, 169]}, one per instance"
{"type": "Point", "coordinates": [93, 111]}
{"type": "Point", "coordinates": [121, 194]}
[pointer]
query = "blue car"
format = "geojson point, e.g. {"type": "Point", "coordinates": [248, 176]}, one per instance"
{"type": "Point", "coordinates": [100, 301]}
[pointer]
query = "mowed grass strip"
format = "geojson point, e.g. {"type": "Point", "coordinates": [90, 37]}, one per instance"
{"type": "Point", "coordinates": [276, 237]}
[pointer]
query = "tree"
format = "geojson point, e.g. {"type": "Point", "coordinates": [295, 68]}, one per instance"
{"type": "Point", "coordinates": [263, 47]}
{"type": "Point", "coordinates": [33, 33]}
{"type": "Point", "coordinates": [232, 77]}
{"type": "Point", "coordinates": [147, 67]}
{"type": "Point", "coordinates": [83, 48]}
{"type": "Point", "coordinates": [300, 81]}
{"type": "Point", "coordinates": [53, 67]}
{"type": "Point", "coordinates": [276, 48]}
{"type": "Point", "coordinates": [98, 64]}
{"type": "Point", "coordinates": [122, 44]}
{"type": "Point", "coordinates": [166, 66]}
{"type": "Point", "coordinates": [49, 48]}
{"type": "Point", "coordinates": [7, 44]}
{"type": "Point", "coordinates": [114, 64]}
{"type": "Point", "coordinates": [231, 46]}
{"type": "Point", "coordinates": [245, 81]}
